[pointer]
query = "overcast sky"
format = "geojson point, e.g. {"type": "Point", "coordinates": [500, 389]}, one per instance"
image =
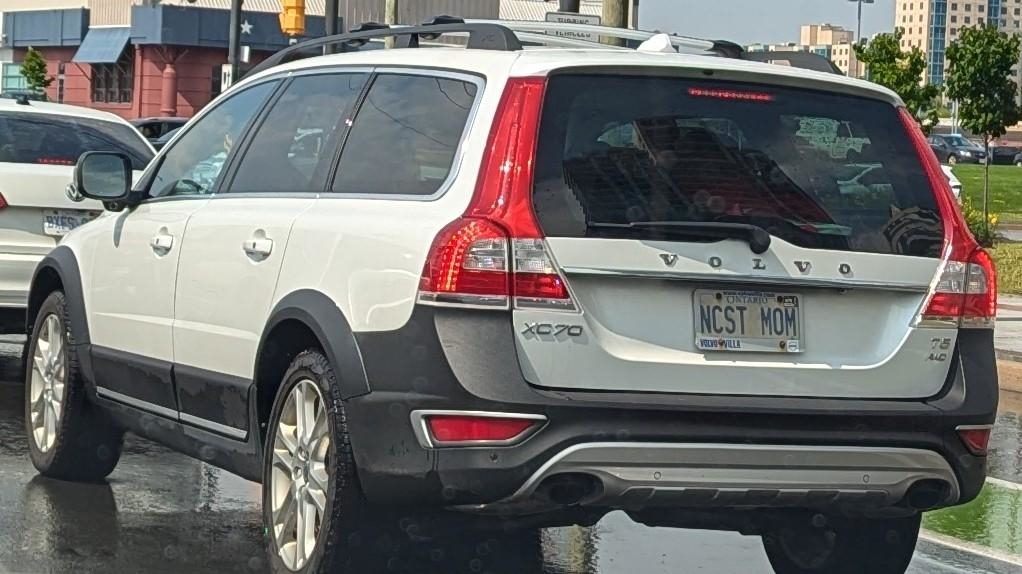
{"type": "Point", "coordinates": [778, 22]}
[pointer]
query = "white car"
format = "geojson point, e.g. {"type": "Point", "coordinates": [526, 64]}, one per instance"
{"type": "Point", "coordinates": [529, 286]}
{"type": "Point", "coordinates": [956, 185]}
{"type": "Point", "coordinates": [39, 145]}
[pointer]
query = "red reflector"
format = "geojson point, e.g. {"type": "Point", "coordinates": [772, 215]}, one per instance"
{"type": "Point", "coordinates": [464, 428]}
{"type": "Point", "coordinates": [976, 439]}
{"type": "Point", "coordinates": [731, 95]}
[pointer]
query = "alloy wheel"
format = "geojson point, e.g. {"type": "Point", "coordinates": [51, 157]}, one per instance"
{"type": "Point", "coordinates": [300, 475]}
{"type": "Point", "coordinates": [48, 381]}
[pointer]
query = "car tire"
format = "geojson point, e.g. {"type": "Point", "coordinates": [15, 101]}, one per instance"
{"type": "Point", "coordinates": [952, 159]}
{"type": "Point", "coordinates": [848, 546]}
{"type": "Point", "coordinates": [310, 468]}
{"type": "Point", "coordinates": [69, 437]}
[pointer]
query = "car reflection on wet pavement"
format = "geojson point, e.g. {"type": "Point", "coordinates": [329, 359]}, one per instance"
{"type": "Point", "coordinates": [163, 512]}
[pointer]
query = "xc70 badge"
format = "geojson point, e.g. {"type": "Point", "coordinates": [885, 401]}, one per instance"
{"type": "Point", "coordinates": [552, 330]}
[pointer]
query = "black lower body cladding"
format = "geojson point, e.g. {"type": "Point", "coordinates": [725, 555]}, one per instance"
{"type": "Point", "coordinates": [466, 360]}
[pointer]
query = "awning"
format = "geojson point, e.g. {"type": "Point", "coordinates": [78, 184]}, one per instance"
{"type": "Point", "coordinates": [103, 45]}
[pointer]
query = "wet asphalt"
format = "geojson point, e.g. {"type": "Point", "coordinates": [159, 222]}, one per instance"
{"type": "Point", "coordinates": [163, 512]}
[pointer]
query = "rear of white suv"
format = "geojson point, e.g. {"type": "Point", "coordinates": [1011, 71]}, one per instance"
{"type": "Point", "coordinates": [709, 330]}
{"type": "Point", "coordinates": [536, 286]}
{"type": "Point", "coordinates": [39, 145]}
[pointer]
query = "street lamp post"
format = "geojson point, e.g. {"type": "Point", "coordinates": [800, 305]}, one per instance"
{"type": "Point", "coordinates": [858, 25]}
{"type": "Point", "coordinates": [234, 39]}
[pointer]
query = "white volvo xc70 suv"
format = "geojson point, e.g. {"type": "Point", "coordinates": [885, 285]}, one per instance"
{"type": "Point", "coordinates": [531, 285]}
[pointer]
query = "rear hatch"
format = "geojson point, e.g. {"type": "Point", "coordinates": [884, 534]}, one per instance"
{"type": "Point", "coordinates": [38, 152]}
{"type": "Point", "coordinates": [712, 241]}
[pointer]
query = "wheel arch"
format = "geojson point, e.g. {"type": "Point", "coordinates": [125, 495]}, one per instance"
{"type": "Point", "coordinates": [59, 271]}
{"type": "Point", "coordinates": [302, 319]}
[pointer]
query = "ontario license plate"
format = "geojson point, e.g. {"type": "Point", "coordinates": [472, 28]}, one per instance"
{"type": "Point", "coordinates": [750, 321]}
{"type": "Point", "coordinates": [59, 222]}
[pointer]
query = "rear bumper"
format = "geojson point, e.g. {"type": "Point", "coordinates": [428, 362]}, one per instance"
{"type": "Point", "coordinates": [16, 272]}
{"type": "Point", "coordinates": [729, 451]}
{"type": "Point", "coordinates": [741, 475]}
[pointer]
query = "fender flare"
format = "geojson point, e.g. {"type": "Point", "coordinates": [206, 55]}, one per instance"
{"type": "Point", "coordinates": [63, 262]}
{"type": "Point", "coordinates": [326, 321]}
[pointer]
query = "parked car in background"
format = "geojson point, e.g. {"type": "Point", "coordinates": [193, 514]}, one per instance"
{"type": "Point", "coordinates": [153, 129]}
{"type": "Point", "coordinates": [161, 141]}
{"type": "Point", "coordinates": [954, 148]}
{"type": "Point", "coordinates": [29, 95]}
{"type": "Point", "coordinates": [39, 145]}
{"type": "Point", "coordinates": [1005, 155]}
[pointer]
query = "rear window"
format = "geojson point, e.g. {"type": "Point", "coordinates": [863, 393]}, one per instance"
{"type": "Point", "coordinates": [60, 140]}
{"type": "Point", "coordinates": [816, 169]}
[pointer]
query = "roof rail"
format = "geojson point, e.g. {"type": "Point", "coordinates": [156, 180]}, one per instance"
{"type": "Point", "coordinates": [596, 30]}
{"type": "Point", "coordinates": [724, 48]}
{"type": "Point", "coordinates": [481, 36]}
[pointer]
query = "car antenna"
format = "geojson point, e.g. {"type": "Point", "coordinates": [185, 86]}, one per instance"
{"type": "Point", "coordinates": [22, 99]}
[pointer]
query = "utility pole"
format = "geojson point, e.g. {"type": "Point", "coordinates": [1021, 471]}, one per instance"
{"type": "Point", "coordinates": [330, 15]}
{"type": "Point", "coordinates": [390, 18]}
{"type": "Point", "coordinates": [858, 24]}
{"type": "Point", "coordinates": [234, 40]}
{"type": "Point", "coordinates": [615, 14]}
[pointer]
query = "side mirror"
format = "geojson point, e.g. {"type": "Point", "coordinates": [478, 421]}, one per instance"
{"type": "Point", "coordinates": [102, 175]}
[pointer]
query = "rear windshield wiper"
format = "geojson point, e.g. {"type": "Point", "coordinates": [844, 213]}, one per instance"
{"type": "Point", "coordinates": [756, 236]}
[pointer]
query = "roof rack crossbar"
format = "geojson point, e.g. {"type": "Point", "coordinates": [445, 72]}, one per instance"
{"type": "Point", "coordinates": [595, 30]}
{"type": "Point", "coordinates": [481, 36]}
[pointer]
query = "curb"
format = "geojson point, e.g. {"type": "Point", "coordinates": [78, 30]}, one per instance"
{"type": "Point", "coordinates": [1008, 355]}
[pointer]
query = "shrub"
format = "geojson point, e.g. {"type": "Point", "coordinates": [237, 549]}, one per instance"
{"type": "Point", "coordinates": [974, 217]}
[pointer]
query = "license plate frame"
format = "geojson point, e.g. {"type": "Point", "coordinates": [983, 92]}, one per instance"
{"type": "Point", "coordinates": [60, 222]}
{"type": "Point", "coordinates": [718, 330]}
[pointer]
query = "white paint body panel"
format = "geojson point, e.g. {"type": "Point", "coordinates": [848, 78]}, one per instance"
{"type": "Point", "coordinates": [130, 285]}
{"type": "Point", "coordinates": [224, 295]}
{"type": "Point", "coordinates": [639, 324]}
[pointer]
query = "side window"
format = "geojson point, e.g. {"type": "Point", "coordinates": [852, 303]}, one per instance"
{"type": "Point", "coordinates": [293, 149]}
{"type": "Point", "coordinates": [405, 135]}
{"type": "Point", "coordinates": [193, 164]}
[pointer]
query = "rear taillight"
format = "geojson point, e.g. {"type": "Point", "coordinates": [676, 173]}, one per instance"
{"type": "Point", "coordinates": [473, 428]}
{"type": "Point", "coordinates": [495, 255]}
{"type": "Point", "coordinates": [975, 437]}
{"type": "Point", "coordinates": [964, 291]}
{"type": "Point", "coordinates": [3, 201]}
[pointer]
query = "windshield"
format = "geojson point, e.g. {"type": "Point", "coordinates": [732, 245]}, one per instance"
{"type": "Point", "coordinates": [816, 169]}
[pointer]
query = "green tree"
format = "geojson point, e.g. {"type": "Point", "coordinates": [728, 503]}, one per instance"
{"type": "Point", "coordinates": [901, 72]}
{"type": "Point", "coordinates": [979, 78]}
{"type": "Point", "coordinates": [33, 68]}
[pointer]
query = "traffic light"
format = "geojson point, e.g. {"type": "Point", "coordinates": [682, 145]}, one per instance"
{"type": "Point", "coordinates": [292, 17]}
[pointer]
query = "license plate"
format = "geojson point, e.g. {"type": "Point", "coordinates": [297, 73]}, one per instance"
{"type": "Point", "coordinates": [59, 222]}
{"type": "Point", "coordinates": [751, 321]}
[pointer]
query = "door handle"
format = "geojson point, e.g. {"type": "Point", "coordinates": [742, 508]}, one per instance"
{"type": "Point", "coordinates": [162, 242]}
{"type": "Point", "coordinates": [261, 247]}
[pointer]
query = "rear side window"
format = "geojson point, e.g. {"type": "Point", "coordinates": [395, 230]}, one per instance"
{"type": "Point", "coordinates": [816, 169]}
{"type": "Point", "coordinates": [405, 135]}
{"type": "Point", "coordinates": [60, 140]}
